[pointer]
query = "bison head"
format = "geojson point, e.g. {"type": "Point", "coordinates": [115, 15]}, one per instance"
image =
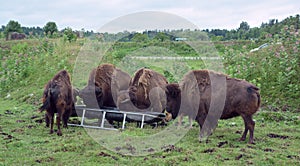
{"type": "Point", "coordinates": [173, 94]}
{"type": "Point", "coordinates": [91, 96]}
{"type": "Point", "coordinates": [125, 103]}
{"type": "Point", "coordinates": [132, 94]}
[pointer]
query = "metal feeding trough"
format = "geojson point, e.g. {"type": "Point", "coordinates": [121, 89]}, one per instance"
{"type": "Point", "coordinates": [114, 114]}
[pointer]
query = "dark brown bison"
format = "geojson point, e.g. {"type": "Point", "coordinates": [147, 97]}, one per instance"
{"type": "Point", "coordinates": [104, 83]}
{"type": "Point", "coordinates": [207, 96]}
{"type": "Point", "coordinates": [146, 92]}
{"type": "Point", "coordinates": [58, 98]}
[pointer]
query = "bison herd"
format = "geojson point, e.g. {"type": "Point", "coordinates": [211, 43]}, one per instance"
{"type": "Point", "coordinates": [202, 95]}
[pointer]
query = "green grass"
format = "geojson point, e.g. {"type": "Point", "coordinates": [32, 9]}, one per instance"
{"type": "Point", "coordinates": [26, 141]}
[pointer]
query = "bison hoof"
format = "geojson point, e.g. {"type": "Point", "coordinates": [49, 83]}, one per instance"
{"type": "Point", "coordinates": [242, 139]}
{"type": "Point", "coordinates": [251, 142]}
{"type": "Point", "coordinates": [59, 133]}
{"type": "Point", "coordinates": [51, 132]}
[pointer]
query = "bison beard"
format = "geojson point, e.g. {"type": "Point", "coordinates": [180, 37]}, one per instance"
{"type": "Point", "coordinates": [208, 96]}
{"type": "Point", "coordinates": [58, 98]}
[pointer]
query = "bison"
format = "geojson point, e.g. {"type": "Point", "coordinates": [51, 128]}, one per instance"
{"type": "Point", "coordinates": [58, 98]}
{"type": "Point", "coordinates": [146, 92]}
{"type": "Point", "coordinates": [104, 83]}
{"type": "Point", "coordinates": [207, 96]}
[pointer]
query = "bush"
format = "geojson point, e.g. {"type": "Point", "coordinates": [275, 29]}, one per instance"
{"type": "Point", "coordinates": [69, 35]}
{"type": "Point", "coordinates": [273, 69]}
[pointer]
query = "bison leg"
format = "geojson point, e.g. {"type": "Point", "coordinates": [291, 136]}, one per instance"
{"type": "Point", "coordinates": [47, 120]}
{"type": "Point", "coordinates": [249, 125]}
{"type": "Point", "coordinates": [50, 118]}
{"type": "Point", "coordinates": [58, 118]}
{"type": "Point", "coordinates": [180, 120]}
{"type": "Point", "coordinates": [191, 119]}
{"type": "Point", "coordinates": [65, 118]}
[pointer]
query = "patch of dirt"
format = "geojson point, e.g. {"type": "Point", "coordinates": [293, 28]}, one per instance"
{"type": "Point", "coordinates": [239, 132]}
{"type": "Point", "coordinates": [239, 157]}
{"type": "Point", "coordinates": [8, 137]}
{"type": "Point", "coordinates": [8, 112]}
{"type": "Point", "coordinates": [18, 131]}
{"type": "Point", "coordinates": [118, 148]}
{"type": "Point", "coordinates": [185, 159]}
{"type": "Point", "coordinates": [210, 150]}
{"type": "Point", "coordinates": [30, 126]}
{"type": "Point", "coordinates": [34, 117]}
{"type": "Point", "coordinates": [171, 148]}
{"type": "Point", "coordinates": [103, 154]}
{"type": "Point", "coordinates": [150, 150]}
{"type": "Point", "coordinates": [20, 121]}
{"type": "Point", "coordinates": [220, 144]}
{"type": "Point", "coordinates": [271, 135]}
{"type": "Point", "coordinates": [269, 150]}
{"type": "Point", "coordinates": [41, 120]}
{"type": "Point", "coordinates": [220, 136]}
{"type": "Point", "coordinates": [293, 157]}
{"type": "Point", "coordinates": [129, 148]}
{"type": "Point", "coordinates": [48, 159]}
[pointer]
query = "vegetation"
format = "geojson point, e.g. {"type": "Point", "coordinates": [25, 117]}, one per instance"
{"type": "Point", "coordinates": [27, 65]}
{"type": "Point", "coordinates": [12, 26]}
{"type": "Point", "coordinates": [50, 28]}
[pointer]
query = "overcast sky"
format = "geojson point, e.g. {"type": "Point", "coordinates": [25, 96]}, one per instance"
{"type": "Point", "coordinates": [94, 14]}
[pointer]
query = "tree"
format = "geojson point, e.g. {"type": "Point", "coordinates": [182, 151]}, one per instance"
{"type": "Point", "coordinates": [50, 28]}
{"type": "Point", "coordinates": [244, 26]}
{"type": "Point", "coordinates": [69, 35]}
{"type": "Point", "coordinates": [162, 37]}
{"type": "Point", "coordinates": [12, 26]}
{"type": "Point", "coordinates": [138, 37]}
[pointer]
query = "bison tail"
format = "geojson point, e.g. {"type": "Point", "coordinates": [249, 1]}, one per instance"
{"type": "Point", "coordinates": [46, 102]}
{"type": "Point", "coordinates": [254, 89]}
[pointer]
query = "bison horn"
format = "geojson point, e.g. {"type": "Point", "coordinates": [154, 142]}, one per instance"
{"type": "Point", "coordinates": [125, 101]}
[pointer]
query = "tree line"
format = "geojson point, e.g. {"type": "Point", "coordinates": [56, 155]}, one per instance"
{"type": "Point", "coordinates": [243, 32]}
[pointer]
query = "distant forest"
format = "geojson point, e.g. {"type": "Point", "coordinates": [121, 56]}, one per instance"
{"type": "Point", "coordinates": [243, 32]}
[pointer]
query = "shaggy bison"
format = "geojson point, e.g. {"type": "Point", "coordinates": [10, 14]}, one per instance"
{"type": "Point", "coordinates": [58, 98]}
{"type": "Point", "coordinates": [104, 83]}
{"type": "Point", "coordinates": [145, 92]}
{"type": "Point", "coordinates": [207, 96]}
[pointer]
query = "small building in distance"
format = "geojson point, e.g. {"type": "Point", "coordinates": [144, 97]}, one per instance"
{"type": "Point", "coordinates": [180, 39]}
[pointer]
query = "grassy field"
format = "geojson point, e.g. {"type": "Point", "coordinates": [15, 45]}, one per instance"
{"type": "Point", "coordinates": [24, 140]}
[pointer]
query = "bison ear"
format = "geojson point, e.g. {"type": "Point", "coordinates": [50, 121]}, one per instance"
{"type": "Point", "coordinates": [173, 90]}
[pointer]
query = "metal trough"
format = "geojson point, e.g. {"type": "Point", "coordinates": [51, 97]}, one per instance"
{"type": "Point", "coordinates": [115, 114]}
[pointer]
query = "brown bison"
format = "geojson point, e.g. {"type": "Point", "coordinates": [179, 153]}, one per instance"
{"type": "Point", "coordinates": [58, 98]}
{"type": "Point", "coordinates": [146, 92]}
{"type": "Point", "coordinates": [104, 83]}
{"type": "Point", "coordinates": [207, 96]}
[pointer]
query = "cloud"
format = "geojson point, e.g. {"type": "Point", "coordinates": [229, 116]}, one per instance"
{"type": "Point", "coordinates": [92, 14]}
